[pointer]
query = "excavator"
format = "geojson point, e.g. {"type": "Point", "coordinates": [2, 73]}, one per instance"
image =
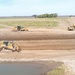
{"type": "Point", "coordinates": [9, 45]}
{"type": "Point", "coordinates": [19, 28]}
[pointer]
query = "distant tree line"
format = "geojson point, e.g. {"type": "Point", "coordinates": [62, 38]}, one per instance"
{"type": "Point", "coordinates": [46, 15]}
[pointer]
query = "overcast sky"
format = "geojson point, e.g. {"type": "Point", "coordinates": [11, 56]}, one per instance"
{"type": "Point", "coordinates": [31, 7]}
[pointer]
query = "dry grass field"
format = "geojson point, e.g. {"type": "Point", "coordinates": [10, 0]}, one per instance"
{"type": "Point", "coordinates": [28, 22]}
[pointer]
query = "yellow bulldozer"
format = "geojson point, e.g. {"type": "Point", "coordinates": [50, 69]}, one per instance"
{"type": "Point", "coordinates": [9, 45]}
{"type": "Point", "coordinates": [72, 25]}
{"type": "Point", "coordinates": [19, 28]}
{"type": "Point", "coordinates": [71, 28]}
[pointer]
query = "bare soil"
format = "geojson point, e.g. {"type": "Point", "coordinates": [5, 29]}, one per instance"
{"type": "Point", "coordinates": [37, 34]}
{"type": "Point", "coordinates": [41, 39]}
{"type": "Point", "coordinates": [41, 44]}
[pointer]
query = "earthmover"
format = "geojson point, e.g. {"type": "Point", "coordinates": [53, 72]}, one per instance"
{"type": "Point", "coordinates": [9, 45]}
{"type": "Point", "coordinates": [72, 25]}
{"type": "Point", "coordinates": [71, 28]}
{"type": "Point", "coordinates": [19, 28]}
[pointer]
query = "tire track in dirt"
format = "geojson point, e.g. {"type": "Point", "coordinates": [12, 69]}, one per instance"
{"type": "Point", "coordinates": [68, 44]}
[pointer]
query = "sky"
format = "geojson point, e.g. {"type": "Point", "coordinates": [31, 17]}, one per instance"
{"type": "Point", "coordinates": [36, 7]}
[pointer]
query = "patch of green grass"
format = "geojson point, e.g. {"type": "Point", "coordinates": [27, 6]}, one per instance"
{"type": "Point", "coordinates": [57, 71]}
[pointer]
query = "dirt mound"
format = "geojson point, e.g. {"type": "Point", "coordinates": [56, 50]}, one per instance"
{"type": "Point", "coordinates": [41, 39]}
{"type": "Point", "coordinates": [37, 35]}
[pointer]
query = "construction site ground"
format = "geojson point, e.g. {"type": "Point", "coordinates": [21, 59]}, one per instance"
{"type": "Point", "coordinates": [56, 44]}
{"type": "Point", "coordinates": [41, 45]}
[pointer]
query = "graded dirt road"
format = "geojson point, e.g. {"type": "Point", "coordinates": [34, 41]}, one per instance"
{"type": "Point", "coordinates": [37, 34]}
{"type": "Point", "coordinates": [41, 39]}
{"type": "Point", "coordinates": [68, 44]}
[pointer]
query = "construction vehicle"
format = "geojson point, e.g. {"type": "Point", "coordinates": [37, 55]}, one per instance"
{"type": "Point", "coordinates": [19, 28]}
{"type": "Point", "coordinates": [9, 45]}
{"type": "Point", "coordinates": [71, 28]}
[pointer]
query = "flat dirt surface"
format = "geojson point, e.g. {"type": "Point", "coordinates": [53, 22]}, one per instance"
{"type": "Point", "coordinates": [37, 54]}
{"type": "Point", "coordinates": [41, 39]}
{"type": "Point", "coordinates": [37, 34]}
